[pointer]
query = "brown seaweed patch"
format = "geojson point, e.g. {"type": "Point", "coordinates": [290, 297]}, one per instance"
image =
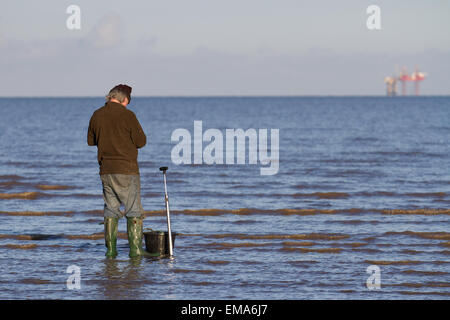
{"type": "Point", "coordinates": [384, 245]}
{"type": "Point", "coordinates": [155, 212]}
{"type": "Point", "coordinates": [94, 212]}
{"type": "Point", "coordinates": [439, 262]}
{"type": "Point", "coordinates": [53, 187]}
{"type": "Point", "coordinates": [425, 195]}
{"type": "Point", "coordinates": [40, 236]}
{"type": "Point", "coordinates": [310, 236]}
{"type": "Point", "coordinates": [30, 236]}
{"type": "Point", "coordinates": [309, 250]}
{"type": "Point", "coordinates": [416, 211]}
{"type": "Point", "coordinates": [193, 271]}
{"type": "Point", "coordinates": [385, 263]}
{"type": "Point", "coordinates": [310, 243]}
{"type": "Point", "coordinates": [425, 293]}
{"type": "Point", "coordinates": [203, 212]}
{"type": "Point", "coordinates": [34, 281]}
{"type": "Point", "coordinates": [10, 184]}
{"type": "Point", "coordinates": [191, 212]}
{"type": "Point", "coordinates": [304, 212]}
{"type": "Point", "coordinates": [329, 284]}
{"type": "Point", "coordinates": [85, 195]}
{"type": "Point", "coordinates": [355, 222]}
{"type": "Point", "coordinates": [298, 243]}
{"type": "Point", "coordinates": [218, 262]}
{"type": "Point", "coordinates": [425, 273]}
{"type": "Point", "coordinates": [20, 246]}
{"type": "Point", "coordinates": [188, 234]}
{"type": "Point", "coordinates": [94, 236]}
{"type": "Point", "coordinates": [411, 251]}
{"type": "Point", "coordinates": [217, 212]}
{"type": "Point", "coordinates": [249, 211]}
{"type": "Point", "coordinates": [10, 177]}
{"type": "Point", "coordinates": [225, 245]}
{"type": "Point", "coordinates": [15, 237]}
{"type": "Point", "coordinates": [37, 213]}
{"type": "Point", "coordinates": [346, 291]}
{"type": "Point", "coordinates": [348, 244]}
{"type": "Point", "coordinates": [377, 194]}
{"type": "Point", "coordinates": [22, 195]}
{"type": "Point", "coordinates": [322, 195]}
{"type": "Point", "coordinates": [423, 235]}
{"type": "Point", "coordinates": [421, 285]}
{"type": "Point", "coordinates": [245, 222]}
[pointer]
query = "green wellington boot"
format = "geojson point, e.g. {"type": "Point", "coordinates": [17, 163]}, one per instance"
{"type": "Point", "coordinates": [135, 235]}
{"type": "Point", "coordinates": [111, 236]}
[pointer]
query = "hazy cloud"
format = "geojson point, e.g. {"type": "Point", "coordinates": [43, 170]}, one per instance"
{"type": "Point", "coordinates": [108, 32]}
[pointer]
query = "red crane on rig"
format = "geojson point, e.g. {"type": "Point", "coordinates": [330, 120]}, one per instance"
{"type": "Point", "coordinates": [417, 76]}
{"type": "Point", "coordinates": [404, 77]}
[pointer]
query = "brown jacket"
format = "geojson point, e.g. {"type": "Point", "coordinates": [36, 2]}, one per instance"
{"type": "Point", "coordinates": [117, 133]}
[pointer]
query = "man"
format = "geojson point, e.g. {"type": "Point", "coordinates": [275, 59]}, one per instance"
{"type": "Point", "coordinates": [118, 135]}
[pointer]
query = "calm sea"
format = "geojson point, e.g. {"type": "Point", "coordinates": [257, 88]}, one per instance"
{"type": "Point", "coordinates": [362, 181]}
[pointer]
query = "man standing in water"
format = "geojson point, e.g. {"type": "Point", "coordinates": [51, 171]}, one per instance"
{"type": "Point", "coordinates": [118, 135]}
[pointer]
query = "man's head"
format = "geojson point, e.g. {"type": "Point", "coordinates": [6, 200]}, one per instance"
{"type": "Point", "coordinates": [121, 94]}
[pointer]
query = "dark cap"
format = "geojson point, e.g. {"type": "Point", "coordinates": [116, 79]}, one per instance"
{"type": "Point", "coordinates": [125, 89]}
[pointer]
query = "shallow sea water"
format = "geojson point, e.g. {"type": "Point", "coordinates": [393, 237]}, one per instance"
{"type": "Point", "coordinates": [362, 181]}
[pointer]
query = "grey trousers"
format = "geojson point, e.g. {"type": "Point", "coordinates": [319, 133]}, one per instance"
{"type": "Point", "coordinates": [122, 189]}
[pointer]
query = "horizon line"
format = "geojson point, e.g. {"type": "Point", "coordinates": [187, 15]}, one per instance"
{"type": "Point", "coordinates": [235, 96]}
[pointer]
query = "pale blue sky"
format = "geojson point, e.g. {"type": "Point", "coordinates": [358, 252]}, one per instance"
{"type": "Point", "coordinates": [205, 47]}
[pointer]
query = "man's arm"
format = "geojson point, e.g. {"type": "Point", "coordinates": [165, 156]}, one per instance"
{"type": "Point", "coordinates": [90, 134]}
{"type": "Point", "coordinates": [137, 134]}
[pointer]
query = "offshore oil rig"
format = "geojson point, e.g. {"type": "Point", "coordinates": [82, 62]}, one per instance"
{"type": "Point", "coordinates": [403, 77]}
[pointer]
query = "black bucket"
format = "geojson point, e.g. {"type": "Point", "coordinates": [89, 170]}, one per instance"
{"type": "Point", "coordinates": [157, 242]}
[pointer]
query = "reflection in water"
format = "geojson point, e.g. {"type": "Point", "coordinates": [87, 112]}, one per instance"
{"type": "Point", "coordinates": [122, 279]}
{"type": "Point", "coordinates": [126, 279]}
{"type": "Point", "coordinates": [170, 277]}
